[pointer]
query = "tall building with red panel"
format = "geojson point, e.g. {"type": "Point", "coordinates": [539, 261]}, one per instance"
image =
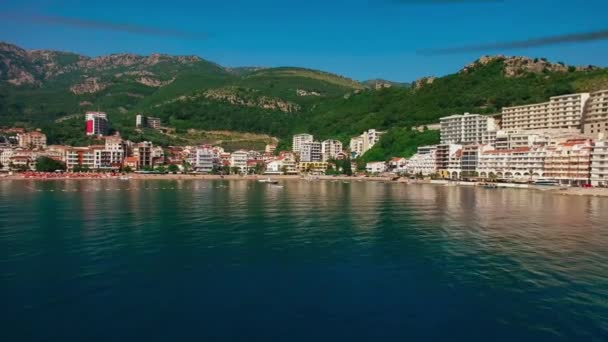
{"type": "Point", "coordinates": [96, 123]}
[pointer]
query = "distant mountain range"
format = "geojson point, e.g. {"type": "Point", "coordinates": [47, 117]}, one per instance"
{"type": "Point", "coordinates": [48, 89]}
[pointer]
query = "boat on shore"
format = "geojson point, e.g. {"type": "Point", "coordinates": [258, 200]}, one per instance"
{"type": "Point", "coordinates": [268, 181]}
{"type": "Point", "coordinates": [546, 182]}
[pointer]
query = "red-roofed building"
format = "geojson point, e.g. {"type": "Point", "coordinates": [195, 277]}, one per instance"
{"type": "Point", "coordinates": [131, 162]}
{"type": "Point", "coordinates": [570, 161]}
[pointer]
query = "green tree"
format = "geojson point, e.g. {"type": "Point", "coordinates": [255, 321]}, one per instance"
{"type": "Point", "coordinates": [46, 164]}
{"type": "Point", "coordinates": [173, 168]}
{"type": "Point", "coordinates": [259, 169]}
{"type": "Point", "coordinates": [186, 166]}
{"type": "Point", "coordinates": [284, 169]}
{"type": "Point", "coordinates": [127, 169]}
{"type": "Point", "coordinates": [347, 167]}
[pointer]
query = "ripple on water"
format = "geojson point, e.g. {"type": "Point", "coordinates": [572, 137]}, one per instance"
{"type": "Point", "coordinates": [418, 261]}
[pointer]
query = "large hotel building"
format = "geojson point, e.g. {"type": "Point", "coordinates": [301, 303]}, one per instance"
{"type": "Point", "coordinates": [596, 114]}
{"type": "Point", "coordinates": [586, 112]}
{"type": "Point", "coordinates": [467, 128]}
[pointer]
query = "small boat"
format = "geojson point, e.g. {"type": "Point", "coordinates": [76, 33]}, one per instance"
{"type": "Point", "coordinates": [546, 182]}
{"type": "Point", "coordinates": [490, 186]}
{"type": "Point", "coordinates": [268, 181]}
{"type": "Point", "coordinates": [124, 178]}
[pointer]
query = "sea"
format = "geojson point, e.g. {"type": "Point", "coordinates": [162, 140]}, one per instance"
{"type": "Point", "coordinates": [238, 260]}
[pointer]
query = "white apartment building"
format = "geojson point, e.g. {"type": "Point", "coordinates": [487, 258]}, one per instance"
{"type": "Point", "coordinates": [512, 139]}
{"type": "Point", "coordinates": [239, 159]}
{"type": "Point", "coordinates": [32, 140]}
{"type": "Point", "coordinates": [467, 128]}
{"type": "Point", "coordinates": [596, 115]}
{"type": "Point", "coordinates": [281, 165]}
{"type": "Point", "coordinates": [83, 157]}
{"type": "Point", "coordinates": [454, 169]}
{"type": "Point", "coordinates": [469, 161]}
{"type": "Point", "coordinates": [523, 164]}
{"type": "Point", "coordinates": [569, 162]}
{"type": "Point", "coordinates": [599, 164]}
{"type": "Point", "coordinates": [300, 139]}
{"type": "Point", "coordinates": [363, 143]}
{"type": "Point", "coordinates": [443, 155]}
{"type": "Point", "coordinates": [356, 146]}
{"type": "Point", "coordinates": [111, 156]}
{"type": "Point", "coordinates": [398, 165]}
{"type": "Point", "coordinates": [422, 163]}
{"type": "Point", "coordinates": [330, 149]}
{"type": "Point", "coordinates": [143, 152]}
{"type": "Point", "coordinates": [5, 158]}
{"type": "Point", "coordinates": [370, 138]}
{"type": "Point", "coordinates": [204, 160]}
{"type": "Point", "coordinates": [376, 167]}
{"type": "Point", "coordinates": [560, 112]}
{"type": "Point", "coordinates": [311, 152]}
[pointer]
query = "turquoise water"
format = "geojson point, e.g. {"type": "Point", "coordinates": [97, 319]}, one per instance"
{"type": "Point", "coordinates": [313, 261]}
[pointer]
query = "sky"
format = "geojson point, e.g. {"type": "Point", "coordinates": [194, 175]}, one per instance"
{"type": "Point", "coordinates": [360, 39]}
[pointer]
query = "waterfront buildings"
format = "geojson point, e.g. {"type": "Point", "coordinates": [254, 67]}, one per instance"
{"type": "Point", "coordinates": [569, 162]}
{"type": "Point", "coordinates": [599, 163]}
{"type": "Point", "coordinates": [143, 152]}
{"type": "Point", "coordinates": [313, 168]}
{"type": "Point", "coordinates": [596, 115]}
{"type": "Point", "coordinates": [465, 129]}
{"type": "Point", "coordinates": [299, 140]}
{"type": "Point", "coordinates": [80, 157]}
{"type": "Point", "coordinates": [398, 165]}
{"type": "Point", "coordinates": [469, 160]}
{"type": "Point", "coordinates": [363, 143]}
{"type": "Point", "coordinates": [330, 149]}
{"type": "Point", "coordinates": [32, 140]}
{"type": "Point", "coordinates": [238, 160]}
{"type": "Point", "coordinates": [311, 152]}
{"type": "Point", "coordinates": [559, 113]}
{"type": "Point", "coordinates": [512, 139]}
{"type": "Point", "coordinates": [520, 164]}
{"type": "Point", "coordinates": [443, 156]}
{"type": "Point", "coordinates": [424, 162]}
{"type": "Point", "coordinates": [111, 156]}
{"type": "Point", "coordinates": [96, 123]}
{"type": "Point", "coordinates": [376, 167]}
{"type": "Point", "coordinates": [205, 160]}
{"type": "Point", "coordinates": [356, 146]}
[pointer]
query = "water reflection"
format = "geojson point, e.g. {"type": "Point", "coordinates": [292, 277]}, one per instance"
{"type": "Point", "coordinates": [511, 257]}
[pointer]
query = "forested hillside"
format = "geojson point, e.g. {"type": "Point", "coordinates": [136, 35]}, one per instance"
{"type": "Point", "coordinates": [52, 90]}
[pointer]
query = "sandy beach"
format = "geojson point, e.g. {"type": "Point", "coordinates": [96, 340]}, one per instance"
{"type": "Point", "coordinates": [596, 192]}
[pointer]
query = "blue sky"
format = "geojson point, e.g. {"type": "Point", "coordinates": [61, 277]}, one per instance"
{"type": "Point", "coordinates": [361, 39]}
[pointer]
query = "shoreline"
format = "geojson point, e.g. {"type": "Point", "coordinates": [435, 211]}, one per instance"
{"type": "Point", "coordinates": [591, 192]}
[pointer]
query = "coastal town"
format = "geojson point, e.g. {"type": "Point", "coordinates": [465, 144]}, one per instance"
{"type": "Point", "coordinates": [562, 141]}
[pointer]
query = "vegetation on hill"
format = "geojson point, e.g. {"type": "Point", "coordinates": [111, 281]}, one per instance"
{"type": "Point", "coordinates": [50, 89]}
{"type": "Point", "coordinates": [400, 142]}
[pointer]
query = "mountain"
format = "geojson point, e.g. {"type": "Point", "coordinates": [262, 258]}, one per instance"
{"type": "Point", "coordinates": [50, 89]}
{"type": "Point", "coordinates": [484, 87]}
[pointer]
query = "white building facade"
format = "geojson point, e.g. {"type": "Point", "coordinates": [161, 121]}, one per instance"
{"type": "Point", "coordinates": [299, 140]}
{"type": "Point", "coordinates": [466, 128]}
{"type": "Point", "coordinates": [330, 149]}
